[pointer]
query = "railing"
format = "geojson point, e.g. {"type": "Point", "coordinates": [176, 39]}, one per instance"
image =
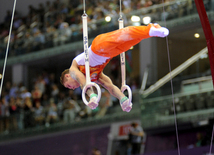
{"type": "Point", "coordinates": [26, 120]}
{"type": "Point", "coordinates": [192, 107]}
{"type": "Point", "coordinates": [197, 84]}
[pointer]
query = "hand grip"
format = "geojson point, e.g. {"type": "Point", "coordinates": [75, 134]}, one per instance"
{"type": "Point", "coordinates": [91, 84]}
{"type": "Point", "coordinates": [126, 87]}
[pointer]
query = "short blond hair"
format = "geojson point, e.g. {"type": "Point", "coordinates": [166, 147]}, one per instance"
{"type": "Point", "coordinates": [62, 77]}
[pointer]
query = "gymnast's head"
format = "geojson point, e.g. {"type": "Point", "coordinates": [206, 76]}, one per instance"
{"type": "Point", "coordinates": [67, 81]}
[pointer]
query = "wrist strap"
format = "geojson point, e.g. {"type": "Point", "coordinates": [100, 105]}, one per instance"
{"type": "Point", "coordinates": [93, 95]}
{"type": "Point", "coordinates": [123, 99]}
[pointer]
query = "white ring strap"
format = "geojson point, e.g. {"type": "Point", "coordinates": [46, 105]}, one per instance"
{"type": "Point", "coordinates": [123, 69]}
{"type": "Point", "coordinates": [87, 69]}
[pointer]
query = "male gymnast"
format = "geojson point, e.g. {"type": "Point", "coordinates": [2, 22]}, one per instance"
{"type": "Point", "coordinates": [103, 48]}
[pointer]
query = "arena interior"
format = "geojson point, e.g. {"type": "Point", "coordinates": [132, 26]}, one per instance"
{"type": "Point", "coordinates": [170, 78]}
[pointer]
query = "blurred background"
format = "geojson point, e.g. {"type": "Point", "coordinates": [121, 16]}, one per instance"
{"type": "Point", "coordinates": [39, 116]}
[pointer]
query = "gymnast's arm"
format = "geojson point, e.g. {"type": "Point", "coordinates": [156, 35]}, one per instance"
{"type": "Point", "coordinates": [77, 75]}
{"type": "Point", "coordinates": [106, 82]}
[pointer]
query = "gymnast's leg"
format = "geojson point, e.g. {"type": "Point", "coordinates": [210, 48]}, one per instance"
{"type": "Point", "coordinates": [113, 43]}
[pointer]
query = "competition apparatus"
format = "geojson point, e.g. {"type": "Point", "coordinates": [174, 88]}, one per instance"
{"type": "Point", "coordinates": [123, 63]}
{"type": "Point", "coordinates": [89, 84]}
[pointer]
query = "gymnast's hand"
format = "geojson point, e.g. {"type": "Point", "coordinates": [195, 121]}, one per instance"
{"type": "Point", "coordinates": [92, 103]}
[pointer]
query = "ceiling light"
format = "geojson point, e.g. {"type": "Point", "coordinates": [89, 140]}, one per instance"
{"type": "Point", "coordinates": [146, 20]}
{"type": "Point", "coordinates": [107, 18]}
{"type": "Point", "coordinates": [135, 18]}
{"type": "Point", "coordinates": [196, 35]}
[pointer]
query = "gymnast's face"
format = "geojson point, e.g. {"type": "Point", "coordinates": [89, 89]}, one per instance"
{"type": "Point", "coordinates": [70, 83]}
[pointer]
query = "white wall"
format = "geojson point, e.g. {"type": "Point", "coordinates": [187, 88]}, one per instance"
{"type": "Point", "coordinates": [148, 49]}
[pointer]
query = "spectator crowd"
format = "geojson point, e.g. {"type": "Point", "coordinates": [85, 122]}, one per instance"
{"type": "Point", "coordinates": [56, 23]}
{"type": "Point", "coordinates": [45, 104]}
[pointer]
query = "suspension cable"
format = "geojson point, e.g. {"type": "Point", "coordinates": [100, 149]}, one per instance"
{"type": "Point", "coordinates": [173, 100]}
{"type": "Point", "coordinates": [8, 44]}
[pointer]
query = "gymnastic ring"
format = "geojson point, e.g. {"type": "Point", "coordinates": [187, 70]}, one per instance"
{"type": "Point", "coordinates": [91, 84]}
{"type": "Point", "coordinates": [126, 87]}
